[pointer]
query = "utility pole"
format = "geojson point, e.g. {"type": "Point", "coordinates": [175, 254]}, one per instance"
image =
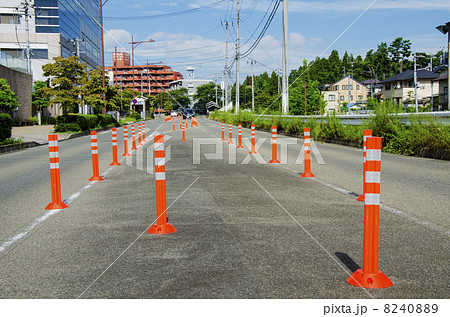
{"type": "Point", "coordinates": [226, 65]}
{"type": "Point", "coordinates": [76, 42]}
{"type": "Point", "coordinates": [237, 58]}
{"type": "Point", "coordinates": [222, 86]}
{"type": "Point", "coordinates": [133, 46]}
{"type": "Point", "coordinates": [431, 70]}
{"type": "Point", "coordinates": [215, 85]}
{"type": "Point", "coordinates": [415, 84]}
{"type": "Point", "coordinates": [285, 82]}
{"type": "Point", "coordinates": [305, 96]}
{"type": "Point", "coordinates": [102, 3]}
{"type": "Point", "coordinates": [278, 78]}
{"type": "Point", "coordinates": [25, 10]}
{"type": "Point", "coordinates": [253, 87]}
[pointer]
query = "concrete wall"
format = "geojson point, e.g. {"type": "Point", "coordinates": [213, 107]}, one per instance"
{"type": "Point", "coordinates": [22, 85]}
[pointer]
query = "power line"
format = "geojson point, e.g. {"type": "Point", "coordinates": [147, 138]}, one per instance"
{"type": "Point", "coordinates": [263, 31]}
{"type": "Point", "coordinates": [165, 15]}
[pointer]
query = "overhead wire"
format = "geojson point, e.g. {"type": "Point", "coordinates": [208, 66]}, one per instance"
{"type": "Point", "coordinates": [165, 15]}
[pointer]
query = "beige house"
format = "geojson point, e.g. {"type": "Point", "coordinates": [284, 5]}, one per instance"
{"type": "Point", "coordinates": [346, 90]}
{"type": "Point", "coordinates": [401, 87]}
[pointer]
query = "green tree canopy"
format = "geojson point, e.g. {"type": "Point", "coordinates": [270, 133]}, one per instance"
{"type": "Point", "coordinates": [205, 93]}
{"type": "Point", "coordinates": [8, 98]}
{"type": "Point", "coordinates": [40, 97]}
{"type": "Point", "coordinates": [179, 98]}
{"type": "Point", "coordinates": [65, 74]}
{"type": "Point", "coordinates": [91, 89]}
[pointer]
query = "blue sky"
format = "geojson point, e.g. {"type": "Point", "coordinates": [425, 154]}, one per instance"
{"type": "Point", "coordinates": [197, 37]}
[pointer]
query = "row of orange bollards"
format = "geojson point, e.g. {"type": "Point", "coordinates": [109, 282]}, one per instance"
{"type": "Point", "coordinates": [57, 203]}
{"type": "Point", "coordinates": [369, 276]}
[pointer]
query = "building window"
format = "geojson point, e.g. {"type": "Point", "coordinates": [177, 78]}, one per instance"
{"type": "Point", "coordinates": [350, 97]}
{"type": "Point", "coordinates": [6, 18]}
{"type": "Point", "coordinates": [343, 87]}
{"type": "Point", "coordinates": [331, 98]}
{"type": "Point", "coordinates": [360, 97]}
{"type": "Point", "coordinates": [190, 85]}
{"type": "Point", "coordinates": [350, 87]}
{"type": "Point", "coordinates": [46, 21]}
{"type": "Point", "coordinates": [46, 12]}
{"type": "Point", "coordinates": [341, 98]}
{"type": "Point", "coordinates": [47, 29]}
{"type": "Point", "coordinates": [387, 87]}
{"type": "Point", "coordinates": [357, 87]}
{"type": "Point", "coordinates": [337, 87]}
{"type": "Point", "coordinates": [39, 53]}
{"type": "Point", "coordinates": [411, 84]}
{"type": "Point", "coordinates": [46, 3]}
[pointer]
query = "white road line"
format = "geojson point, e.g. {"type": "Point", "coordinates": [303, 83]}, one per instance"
{"type": "Point", "coordinates": [308, 233]}
{"type": "Point", "coordinates": [5, 245]}
{"type": "Point", "coordinates": [132, 243]}
{"type": "Point", "coordinates": [384, 207]}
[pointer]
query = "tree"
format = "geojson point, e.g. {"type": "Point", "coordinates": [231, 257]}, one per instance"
{"type": "Point", "coordinates": [65, 74]}
{"type": "Point", "coordinates": [179, 98]}
{"type": "Point", "coordinates": [205, 93]}
{"type": "Point", "coordinates": [91, 89]}
{"type": "Point", "coordinates": [40, 97]}
{"type": "Point", "coordinates": [399, 51]}
{"type": "Point", "coordinates": [8, 98]}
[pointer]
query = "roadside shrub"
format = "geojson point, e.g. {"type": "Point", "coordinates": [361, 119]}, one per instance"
{"type": "Point", "coordinates": [6, 124]}
{"type": "Point", "coordinates": [33, 120]}
{"type": "Point", "coordinates": [106, 120]}
{"type": "Point", "coordinates": [67, 127]}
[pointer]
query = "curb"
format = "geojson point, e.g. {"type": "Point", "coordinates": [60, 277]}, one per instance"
{"type": "Point", "coordinates": [17, 147]}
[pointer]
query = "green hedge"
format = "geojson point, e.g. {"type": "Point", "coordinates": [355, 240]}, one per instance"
{"type": "Point", "coordinates": [85, 122]}
{"type": "Point", "coordinates": [6, 124]}
{"type": "Point", "coordinates": [67, 127]}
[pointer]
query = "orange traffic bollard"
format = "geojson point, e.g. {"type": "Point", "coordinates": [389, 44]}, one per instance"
{"type": "Point", "coordinates": [167, 118]}
{"type": "Point", "coordinates": [253, 150]}
{"type": "Point", "coordinates": [125, 141]}
{"type": "Point", "coordinates": [180, 122]}
{"type": "Point", "coordinates": [139, 135]}
{"type": "Point", "coordinates": [183, 133]}
{"type": "Point", "coordinates": [56, 203]}
{"type": "Point", "coordinates": [307, 159]}
{"type": "Point", "coordinates": [274, 145]}
{"type": "Point", "coordinates": [143, 133]}
{"type": "Point", "coordinates": [186, 124]}
{"type": "Point", "coordinates": [133, 139]}
{"type": "Point", "coordinates": [115, 162]}
{"type": "Point", "coordinates": [161, 226]}
{"type": "Point", "coordinates": [230, 134]}
{"type": "Point", "coordinates": [94, 149]}
{"type": "Point", "coordinates": [195, 122]}
{"type": "Point", "coordinates": [192, 122]}
{"type": "Point", "coordinates": [223, 132]}
{"type": "Point", "coordinates": [366, 134]}
{"type": "Point", "coordinates": [173, 121]}
{"type": "Point", "coordinates": [370, 276]}
{"type": "Point", "coordinates": [239, 146]}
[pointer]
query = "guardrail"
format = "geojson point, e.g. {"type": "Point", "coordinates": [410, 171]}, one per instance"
{"type": "Point", "coordinates": [357, 119]}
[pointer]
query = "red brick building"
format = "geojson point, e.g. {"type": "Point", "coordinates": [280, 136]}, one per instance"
{"type": "Point", "coordinates": [151, 79]}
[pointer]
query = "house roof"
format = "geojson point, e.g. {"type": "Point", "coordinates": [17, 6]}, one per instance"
{"type": "Point", "coordinates": [329, 85]}
{"type": "Point", "coordinates": [409, 74]}
{"type": "Point", "coordinates": [443, 77]}
{"type": "Point", "coordinates": [371, 82]}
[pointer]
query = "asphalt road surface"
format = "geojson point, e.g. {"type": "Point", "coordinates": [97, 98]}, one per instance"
{"type": "Point", "coordinates": [244, 230]}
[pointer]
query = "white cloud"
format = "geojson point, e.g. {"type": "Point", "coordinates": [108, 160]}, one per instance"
{"type": "Point", "coordinates": [360, 5]}
{"type": "Point", "coordinates": [117, 37]}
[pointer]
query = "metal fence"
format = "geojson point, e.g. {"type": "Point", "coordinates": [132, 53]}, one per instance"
{"type": "Point", "coordinates": [358, 119]}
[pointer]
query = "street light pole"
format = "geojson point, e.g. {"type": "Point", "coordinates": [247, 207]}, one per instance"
{"type": "Point", "coordinates": [133, 46]}
{"type": "Point", "coordinates": [102, 3]}
{"type": "Point", "coordinates": [445, 29]}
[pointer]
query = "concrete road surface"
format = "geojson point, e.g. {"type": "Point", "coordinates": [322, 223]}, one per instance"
{"type": "Point", "coordinates": [243, 230]}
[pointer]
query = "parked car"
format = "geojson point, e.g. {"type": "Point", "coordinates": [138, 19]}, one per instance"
{"type": "Point", "coordinates": [188, 113]}
{"type": "Point", "coordinates": [173, 113]}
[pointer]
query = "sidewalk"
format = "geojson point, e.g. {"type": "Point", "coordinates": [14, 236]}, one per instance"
{"type": "Point", "coordinates": [36, 133]}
